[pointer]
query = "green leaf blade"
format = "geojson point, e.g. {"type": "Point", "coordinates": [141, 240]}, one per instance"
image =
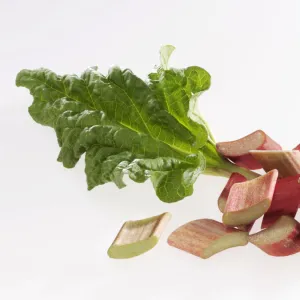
{"type": "Point", "coordinates": [125, 125]}
{"type": "Point", "coordinates": [177, 90]}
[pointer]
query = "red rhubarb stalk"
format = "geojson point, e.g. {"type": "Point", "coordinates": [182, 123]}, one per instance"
{"type": "Point", "coordinates": [248, 201]}
{"type": "Point", "coordinates": [297, 148]}
{"type": "Point", "coordinates": [238, 150]}
{"type": "Point", "coordinates": [206, 237]}
{"type": "Point", "coordinates": [286, 162]}
{"type": "Point", "coordinates": [280, 239]}
{"type": "Point", "coordinates": [234, 178]}
{"type": "Point", "coordinates": [138, 237]}
{"type": "Point", "coordinates": [285, 201]}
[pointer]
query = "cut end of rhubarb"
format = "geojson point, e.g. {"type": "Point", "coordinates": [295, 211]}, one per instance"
{"type": "Point", "coordinates": [287, 162]}
{"type": "Point", "coordinates": [137, 237]}
{"type": "Point", "coordinates": [248, 201]}
{"type": "Point", "coordinates": [132, 250]}
{"type": "Point", "coordinates": [279, 231]}
{"type": "Point", "coordinates": [280, 239]}
{"type": "Point", "coordinates": [206, 237]}
{"type": "Point", "coordinates": [234, 239]}
{"type": "Point", "coordinates": [238, 150]}
{"type": "Point", "coordinates": [246, 216]}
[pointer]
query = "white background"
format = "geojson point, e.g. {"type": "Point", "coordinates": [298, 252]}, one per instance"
{"type": "Point", "coordinates": [53, 233]}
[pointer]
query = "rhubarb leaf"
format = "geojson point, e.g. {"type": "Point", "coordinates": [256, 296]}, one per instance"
{"type": "Point", "coordinates": [124, 125]}
{"type": "Point", "coordinates": [120, 125]}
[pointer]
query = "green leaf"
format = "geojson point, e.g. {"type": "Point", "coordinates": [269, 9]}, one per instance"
{"type": "Point", "coordinates": [174, 185]}
{"type": "Point", "coordinates": [124, 125]}
{"type": "Point", "coordinates": [121, 125]}
{"type": "Point", "coordinates": [78, 110]}
{"type": "Point", "coordinates": [127, 99]}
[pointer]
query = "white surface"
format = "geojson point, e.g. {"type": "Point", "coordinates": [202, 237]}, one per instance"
{"type": "Point", "coordinates": [53, 233]}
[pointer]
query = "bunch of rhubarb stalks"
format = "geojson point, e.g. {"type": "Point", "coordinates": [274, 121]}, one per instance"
{"type": "Point", "coordinates": [274, 195]}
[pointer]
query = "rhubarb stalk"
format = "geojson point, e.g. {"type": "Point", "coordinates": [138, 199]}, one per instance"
{"type": "Point", "coordinates": [297, 148]}
{"type": "Point", "coordinates": [137, 237]}
{"type": "Point", "coordinates": [280, 239]}
{"type": "Point", "coordinates": [206, 237]}
{"type": "Point", "coordinates": [248, 201]}
{"type": "Point", "coordinates": [234, 178]}
{"type": "Point", "coordinates": [238, 150]}
{"type": "Point", "coordinates": [286, 162]}
{"type": "Point", "coordinates": [285, 201]}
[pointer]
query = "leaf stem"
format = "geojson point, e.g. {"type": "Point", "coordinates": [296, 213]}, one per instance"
{"type": "Point", "coordinates": [227, 168]}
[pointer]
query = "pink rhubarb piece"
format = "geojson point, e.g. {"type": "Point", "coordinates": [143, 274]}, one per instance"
{"type": "Point", "coordinates": [285, 201]}
{"type": "Point", "coordinates": [206, 237]}
{"type": "Point", "coordinates": [234, 178]}
{"type": "Point", "coordinates": [248, 201]}
{"type": "Point", "coordinates": [238, 150]}
{"type": "Point", "coordinates": [280, 239]}
{"type": "Point", "coordinates": [286, 162]}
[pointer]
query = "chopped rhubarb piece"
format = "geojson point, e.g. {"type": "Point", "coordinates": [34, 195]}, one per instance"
{"type": "Point", "coordinates": [234, 178]}
{"type": "Point", "coordinates": [238, 151]}
{"type": "Point", "coordinates": [249, 200]}
{"type": "Point", "coordinates": [246, 228]}
{"type": "Point", "coordinates": [286, 162]}
{"type": "Point", "coordinates": [280, 239]}
{"type": "Point", "coordinates": [297, 148]}
{"type": "Point", "coordinates": [137, 237]}
{"type": "Point", "coordinates": [285, 201]}
{"type": "Point", "coordinates": [206, 237]}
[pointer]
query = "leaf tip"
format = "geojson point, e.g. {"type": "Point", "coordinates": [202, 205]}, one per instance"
{"type": "Point", "coordinates": [90, 187]}
{"type": "Point", "coordinates": [19, 78]}
{"type": "Point", "coordinates": [165, 54]}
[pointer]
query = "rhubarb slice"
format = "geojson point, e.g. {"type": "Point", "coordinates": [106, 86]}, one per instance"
{"type": "Point", "coordinates": [286, 162]}
{"type": "Point", "coordinates": [238, 150]}
{"type": "Point", "coordinates": [297, 148]}
{"type": "Point", "coordinates": [285, 201]}
{"type": "Point", "coordinates": [137, 237]}
{"type": "Point", "coordinates": [280, 239]}
{"type": "Point", "coordinates": [248, 201]}
{"type": "Point", "coordinates": [234, 178]}
{"type": "Point", "coordinates": [206, 237]}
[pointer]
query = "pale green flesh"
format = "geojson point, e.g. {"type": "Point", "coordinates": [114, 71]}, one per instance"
{"type": "Point", "coordinates": [277, 232]}
{"type": "Point", "coordinates": [246, 216]}
{"type": "Point", "coordinates": [221, 204]}
{"type": "Point", "coordinates": [234, 239]}
{"type": "Point", "coordinates": [132, 250]}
